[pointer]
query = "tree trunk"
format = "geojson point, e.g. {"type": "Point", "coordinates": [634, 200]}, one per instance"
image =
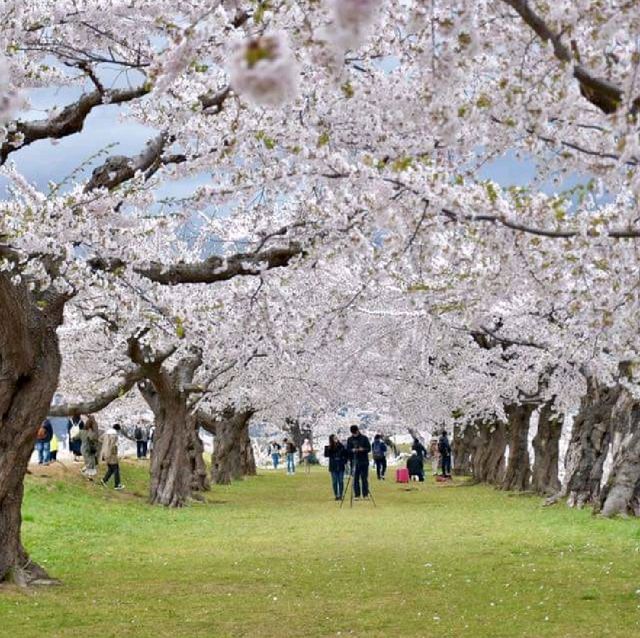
{"type": "Point", "coordinates": [166, 394]}
{"type": "Point", "coordinates": [464, 443]}
{"type": "Point", "coordinates": [29, 370]}
{"type": "Point", "coordinates": [621, 493]}
{"type": "Point", "coordinates": [298, 434]}
{"type": "Point", "coordinates": [518, 473]}
{"type": "Point", "coordinates": [199, 475]}
{"type": "Point", "coordinates": [546, 447]}
{"type": "Point", "coordinates": [232, 456]}
{"type": "Point", "coordinates": [589, 445]}
{"type": "Point", "coordinates": [488, 461]}
{"type": "Point", "coordinates": [170, 463]}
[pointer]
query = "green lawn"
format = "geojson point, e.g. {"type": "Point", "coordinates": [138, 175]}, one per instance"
{"type": "Point", "coordinates": [274, 556]}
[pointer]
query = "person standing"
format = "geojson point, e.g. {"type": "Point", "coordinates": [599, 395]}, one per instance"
{"type": "Point", "coordinates": [152, 433]}
{"type": "Point", "coordinates": [43, 442]}
{"type": "Point", "coordinates": [290, 451]}
{"type": "Point", "coordinates": [109, 455]}
{"type": "Point", "coordinates": [337, 456]}
{"type": "Point", "coordinates": [415, 466]}
{"type": "Point", "coordinates": [274, 451]}
{"type": "Point", "coordinates": [379, 451]}
{"type": "Point", "coordinates": [444, 447]}
{"type": "Point", "coordinates": [89, 442]}
{"type": "Point", "coordinates": [141, 435]}
{"type": "Point", "coordinates": [307, 454]}
{"type": "Point", "coordinates": [358, 448]}
{"type": "Point", "coordinates": [74, 425]}
{"type": "Point", "coordinates": [435, 455]}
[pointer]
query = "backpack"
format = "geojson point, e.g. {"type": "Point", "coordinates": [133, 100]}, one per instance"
{"type": "Point", "coordinates": [137, 433]}
{"type": "Point", "coordinates": [42, 433]}
{"type": "Point", "coordinates": [74, 432]}
{"type": "Point", "coordinates": [378, 449]}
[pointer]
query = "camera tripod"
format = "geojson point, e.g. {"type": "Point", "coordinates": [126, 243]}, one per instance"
{"type": "Point", "coordinates": [350, 482]}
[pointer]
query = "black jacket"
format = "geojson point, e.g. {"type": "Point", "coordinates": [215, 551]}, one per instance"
{"type": "Point", "coordinates": [419, 448]}
{"type": "Point", "coordinates": [337, 457]}
{"type": "Point", "coordinates": [415, 465]}
{"type": "Point", "coordinates": [443, 446]}
{"type": "Point", "coordinates": [358, 442]}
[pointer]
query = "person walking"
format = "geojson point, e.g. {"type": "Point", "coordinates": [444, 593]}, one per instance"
{"type": "Point", "coordinates": [109, 455]}
{"type": "Point", "coordinates": [337, 456]}
{"type": "Point", "coordinates": [415, 466]}
{"type": "Point", "coordinates": [43, 442]}
{"type": "Point", "coordinates": [379, 451]}
{"type": "Point", "coordinates": [307, 454]}
{"type": "Point", "coordinates": [358, 448]}
{"type": "Point", "coordinates": [290, 451]}
{"type": "Point", "coordinates": [435, 455]}
{"type": "Point", "coordinates": [274, 451]}
{"type": "Point", "coordinates": [444, 447]}
{"type": "Point", "coordinates": [89, 443]}
{"type": "Point", "coordinates": [141, 435]}
{"type": "Point", "coordinates": [74, 425]}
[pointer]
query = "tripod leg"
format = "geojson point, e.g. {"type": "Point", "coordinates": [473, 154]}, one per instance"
{"type": "Point", "coordinates": [371, 497]}
{"type": "Point", "coordinates": [344, 491]}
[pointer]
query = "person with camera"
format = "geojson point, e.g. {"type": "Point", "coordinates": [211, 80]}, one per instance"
{"type": "Point", "coordinates": [337, 456]}
{"type": "Point", "coordinates": [358, 448]}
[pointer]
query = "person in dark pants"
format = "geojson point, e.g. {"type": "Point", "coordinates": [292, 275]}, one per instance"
{"type": "Point", "coordinates": [379, 451]}
{"type": "Point", "coordinates": [415, 465]}
{"type": "Point", "coordinates": [337, 456]}
{"type": "Point", "coordinates": [444, 447]}
{"type": "Point", "coordinates": [141, 435]}
{"type": "Point", "coordinates": [358, 448]}
{"type": "Point", "coordinates": [109, 455]}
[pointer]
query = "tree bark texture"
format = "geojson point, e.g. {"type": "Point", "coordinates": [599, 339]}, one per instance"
{"type": "Point", "coordinates": [488, 461]}
{"type": "Point", "coordinates": [464, 444]}
{"type": "Point", "coordinates": [518, 472]}
{"type": "Point", "coordinates": [546, 447]}
{"type": "Point", "coordinates": [589, 444]}
{"type": "Point", "coordinates": [171, 464]}
{"type": "Point", "coordinates": [621, 492]}
{"type": "Point", "coordinates": [199, 475]}
{"type": "Point", "coordinates": [232, 457]}
{"type": "Point", "coordinates": [29, 370]}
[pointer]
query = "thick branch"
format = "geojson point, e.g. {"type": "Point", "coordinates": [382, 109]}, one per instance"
{"type": "Point", "coordinates": [600, 92]}
{"type": "Point", "coordinates": [69, 120]}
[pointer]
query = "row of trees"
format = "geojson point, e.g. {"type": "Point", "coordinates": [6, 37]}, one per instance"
{"type": "Point", "coordinates": [308, 224]}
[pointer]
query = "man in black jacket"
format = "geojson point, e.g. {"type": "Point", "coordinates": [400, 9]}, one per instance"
{"type": "Point", "coordinates": [358, 448]}
{"type": "Point", "coordinates": [444, 448]}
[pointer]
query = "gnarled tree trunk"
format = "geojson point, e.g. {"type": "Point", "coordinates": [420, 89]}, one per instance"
{"type": "Point", "coordinates": [589, 445]}
{"type": "Point", "coordinates": [621, 493]}
{"type": "Point", "coordinates": [166, 394]}
{"type": "Point", "coordinates": [488, 460]}
{"type": "Point", "coordinates": [29, 370]}
{"type": "Point", "coordinates": [464, 444]}
{"type": "Point", "coordinates": [232, 456]}
{"type": "Point", "coordinates": [518, 472]}
{"type": "Point", "coordinates": [546, 447]}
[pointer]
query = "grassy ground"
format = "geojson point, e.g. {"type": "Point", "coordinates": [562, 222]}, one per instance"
{"type": "Point", "coordinates": [274, 556]}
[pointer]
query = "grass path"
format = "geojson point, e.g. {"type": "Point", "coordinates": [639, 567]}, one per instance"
{"type": "Point", "coordinates": [274, 556]}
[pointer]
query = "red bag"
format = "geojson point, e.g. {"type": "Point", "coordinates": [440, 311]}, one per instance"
{"type": "Point", "coordinates": [402, 475]}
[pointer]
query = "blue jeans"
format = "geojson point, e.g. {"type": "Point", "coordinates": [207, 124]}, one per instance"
{"type": "Point", "coordinates": [291, 462]}
{"type": "Point", "coordinates": [275, 457]}
{"type": "Point", "coordinates": [337, 482]}
{"type": "Point", "coordinates": [42, 448]}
